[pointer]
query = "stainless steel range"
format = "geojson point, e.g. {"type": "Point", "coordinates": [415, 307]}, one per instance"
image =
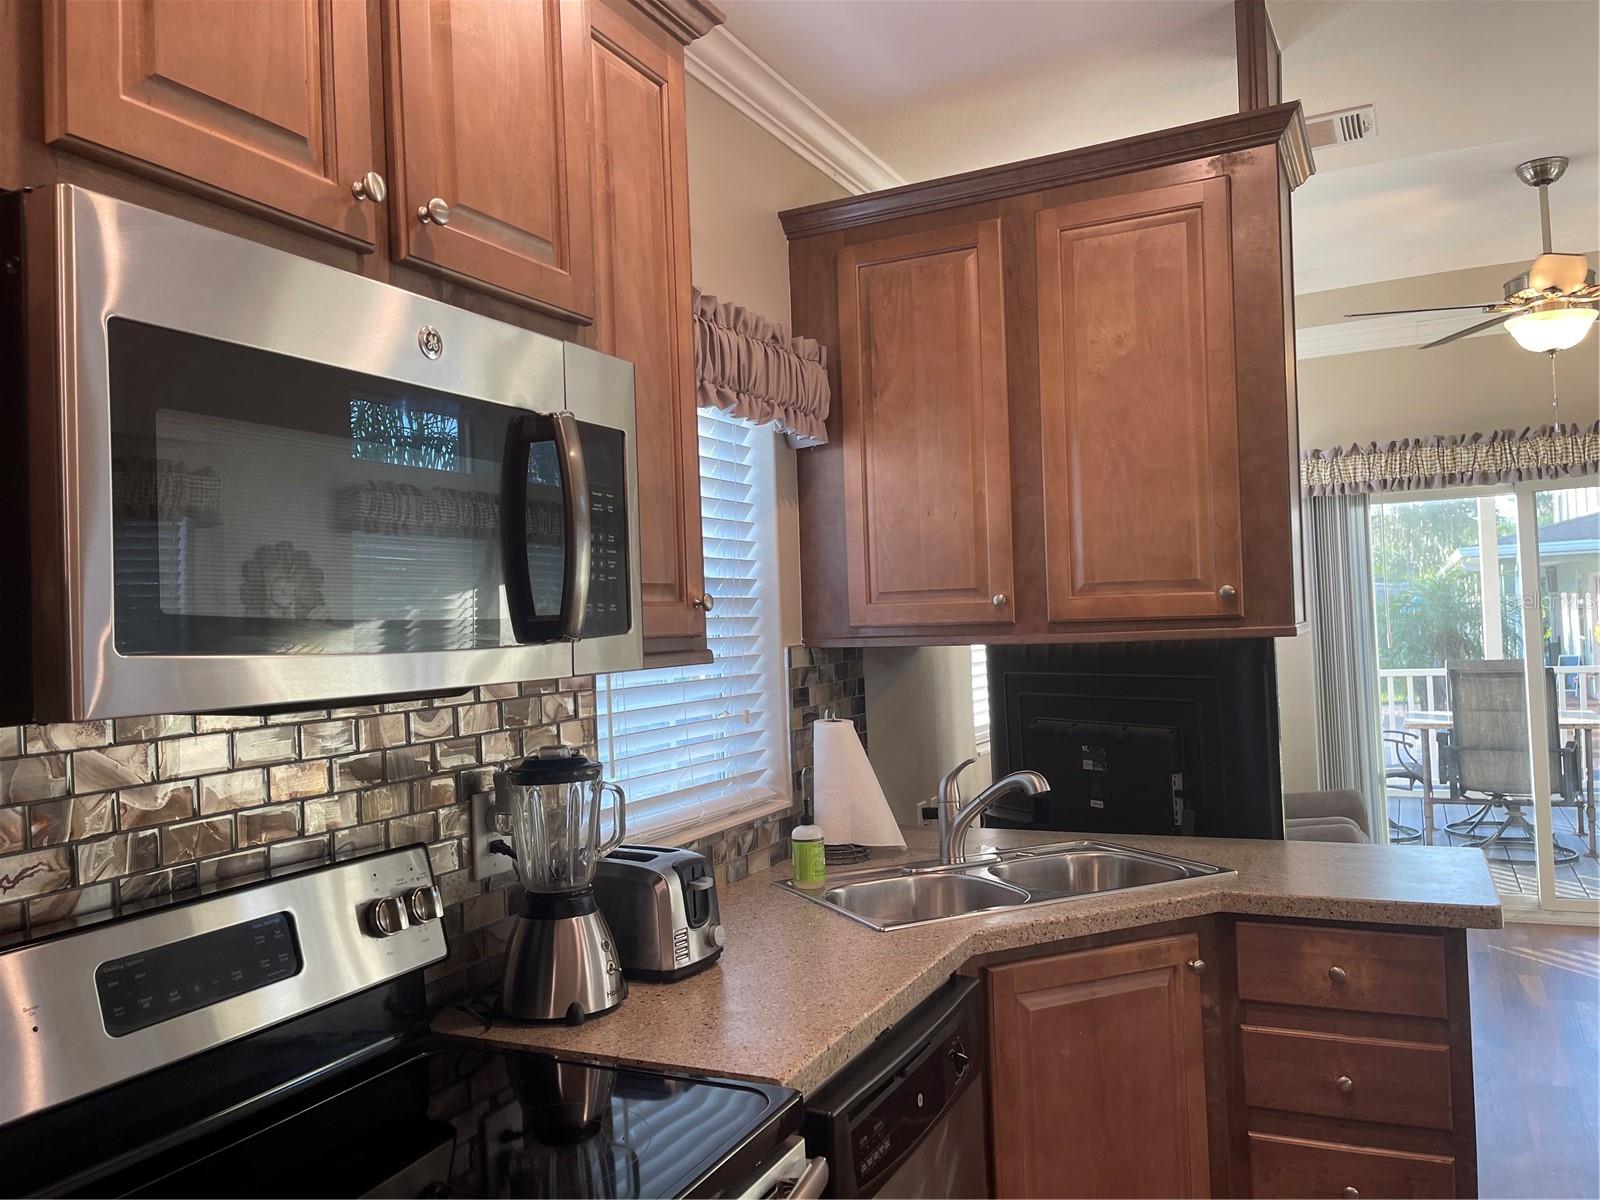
{"type": "Point", "coordinates": [261, 481]}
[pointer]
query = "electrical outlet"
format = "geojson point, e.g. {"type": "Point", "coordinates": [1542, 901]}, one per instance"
{"type": "Point", "coordinates": [489, 824]}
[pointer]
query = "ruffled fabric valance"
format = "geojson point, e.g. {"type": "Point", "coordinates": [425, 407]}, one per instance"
{"type": "Point", "coordinates": [1453, 460]}
{"type": "Point", "coordinates": [746, 365]}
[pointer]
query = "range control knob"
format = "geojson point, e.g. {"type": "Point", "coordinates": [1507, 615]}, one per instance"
{"type": "Point", "coordinates": [959, 1060]}
{"type": "Point", "coordinates": [387, 916]}
{"type": "Point", "coordinates": [425, 904]}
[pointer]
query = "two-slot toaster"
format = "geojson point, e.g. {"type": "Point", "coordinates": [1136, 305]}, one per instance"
{"type": "Point", "coordinates": [661, 905]}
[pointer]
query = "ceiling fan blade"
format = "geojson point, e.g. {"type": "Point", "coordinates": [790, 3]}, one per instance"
{"type": "Point", "coordinates": [1400, 312]}
{"type": "Point", "coordinates": [1497, 319]}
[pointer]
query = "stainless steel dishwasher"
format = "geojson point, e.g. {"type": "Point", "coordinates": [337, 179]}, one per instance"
{"type": "Point", "coordinates": [906, 1118]}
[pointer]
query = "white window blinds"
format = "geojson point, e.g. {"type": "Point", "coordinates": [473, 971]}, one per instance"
{"type": "Point", "coordinates": [696, 746]}
{"type": "Point", "coordinates": [980, 697]}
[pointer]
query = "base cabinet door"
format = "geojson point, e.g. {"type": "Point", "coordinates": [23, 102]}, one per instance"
{"type": "Point", "coordinates": [927, 464]}
{"type": "Point", "coordinates": [642, 302]}
{"type": "Point", "coordinates": [267, 101]}
{"type": "Point", "coordinates": [1138, 407]}
{"type": "Point", "coordinates": [488, 138]}
{"type": "Point", "coordinates": [1097, 1073]}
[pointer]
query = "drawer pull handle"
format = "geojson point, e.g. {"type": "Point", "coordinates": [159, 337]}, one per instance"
{"type": "Point", "coordinates": [1352, 1193]}
{"type": "Point", "coordinates": [1337, 975]}
{"type": "Point", "coordinates": [1345, 1084]}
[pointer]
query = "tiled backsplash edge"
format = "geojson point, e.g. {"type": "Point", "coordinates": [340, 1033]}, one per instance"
{"type": "Point", "coordinates": [107, 817]}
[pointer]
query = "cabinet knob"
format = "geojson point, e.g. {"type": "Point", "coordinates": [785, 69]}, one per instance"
{"type": "Point", "coordinates": [1352, 1194]}
{"type": "Point", "coordinates": [1336, 975]}
{"type": "Point", "coordinates": [1197, 965]}
{"type": "Point", "coordinates": [1227, 591]}
{"type": "Point", "coordinates": [370, 187]}
{"type": "Point", "coordinates": [434, 212]}
{"type": "Point", "coordinates": [999, 600]}
{"type": "Point", "coordinates": [1345, 1084]}
{"type": "Point", "coordinates": [705, 603]}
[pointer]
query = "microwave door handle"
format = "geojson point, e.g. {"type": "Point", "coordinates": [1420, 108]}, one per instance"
{"type": "Point", "coordinates": [527, 625]}
{"type": "Point", "coordinates": [576, 521]}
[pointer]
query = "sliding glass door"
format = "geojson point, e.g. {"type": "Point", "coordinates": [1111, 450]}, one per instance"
{"type": "Point", "coordinates": [1486, 613]}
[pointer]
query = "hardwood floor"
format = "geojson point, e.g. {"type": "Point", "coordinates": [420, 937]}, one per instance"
{"type": "Point", "coordinates": [1536, 1060]}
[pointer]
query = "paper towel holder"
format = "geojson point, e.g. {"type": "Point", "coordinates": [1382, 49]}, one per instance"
{"type": "Point", "coordinates": [836, 854]}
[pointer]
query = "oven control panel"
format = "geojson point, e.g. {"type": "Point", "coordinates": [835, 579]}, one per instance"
{"type": "Point", "coordinates": [94, 1007]}
{"type": "Point", "coordinates": [139, 990]}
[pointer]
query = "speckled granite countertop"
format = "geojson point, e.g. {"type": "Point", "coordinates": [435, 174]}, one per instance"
{"type": "Point", "coordinates": [800, 990]}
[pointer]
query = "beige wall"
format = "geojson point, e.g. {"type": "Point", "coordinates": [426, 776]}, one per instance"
{"type": "Point", "coordinates": [919, 722]}
{"type": "Point", "coordinates": [740, 178]}
{"type": "Point", "coordinates": [1474, 385]}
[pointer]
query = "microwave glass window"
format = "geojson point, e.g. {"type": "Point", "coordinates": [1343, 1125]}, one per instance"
{"type": "Point", "coordinates": [263, 504]}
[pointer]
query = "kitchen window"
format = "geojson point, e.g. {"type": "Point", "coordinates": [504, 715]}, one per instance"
{"type": "Point", "coordinates": [980, 699]}
{"type": "Point", "coordinates": [699, 748]}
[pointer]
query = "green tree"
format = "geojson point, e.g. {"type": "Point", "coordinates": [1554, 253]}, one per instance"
{"type": "Point", "coordinates": [1428, 605]}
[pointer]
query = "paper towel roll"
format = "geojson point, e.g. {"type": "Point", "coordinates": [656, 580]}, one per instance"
{"type": "Point", "coordinates": [850, 804]}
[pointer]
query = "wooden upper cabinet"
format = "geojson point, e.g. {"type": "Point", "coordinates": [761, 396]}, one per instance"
{"type": "Point", "coordinates": [487, 125]}
{"type": "Point", "coordinates": [1138, 406]}
{"type": "Point", "coordinates": [268, 101]}
{"type": "Point", "coordinates": [1097, 1073]}
{"type": "Point", "coordinates": [642, 297]}
{"type": "Point", "coordinates": [927, 471]}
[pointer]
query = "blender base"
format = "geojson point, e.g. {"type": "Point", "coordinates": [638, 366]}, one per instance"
{"type": "Point", "coordinates": [561, 967]}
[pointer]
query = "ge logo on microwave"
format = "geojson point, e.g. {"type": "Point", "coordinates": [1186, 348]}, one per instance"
{"type": "Point", "coordinates": [431, 341]}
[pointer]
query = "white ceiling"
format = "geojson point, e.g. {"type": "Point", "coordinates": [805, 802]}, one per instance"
{"type": "Point", "coordinates": [934, 87]}
{"type": "Point", "coordinates": [1464, 90]}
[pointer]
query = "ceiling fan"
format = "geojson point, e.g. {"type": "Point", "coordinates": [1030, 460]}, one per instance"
{"type": "Point", "coordinates": [1551, 305]}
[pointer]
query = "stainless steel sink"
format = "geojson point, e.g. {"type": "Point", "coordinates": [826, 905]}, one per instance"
{"type": "Point", "coordinates": [1091, 869]}
{"type": "Point", "coordinates": [907, 899]}
{"type": "Point", "coordinates": [917, 893]}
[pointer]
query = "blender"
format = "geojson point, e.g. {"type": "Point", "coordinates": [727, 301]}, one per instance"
{"type": "Point", "coordinates": [562, 964]}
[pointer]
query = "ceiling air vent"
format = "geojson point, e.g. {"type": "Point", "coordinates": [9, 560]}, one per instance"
{"type": "Point", "coordinates": [1347, 125]}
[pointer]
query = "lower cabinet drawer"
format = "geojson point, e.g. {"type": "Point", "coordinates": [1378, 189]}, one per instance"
{"type": "Point", "coordinates": [1358, 970]}
{"type": "Point", "coordinates": [1355, 1078]}
{"type": "Point", "coordinates": [1284, 1166]}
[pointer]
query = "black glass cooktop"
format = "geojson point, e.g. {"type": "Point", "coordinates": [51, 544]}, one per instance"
{"type": "Point", "coordinates": [458, 1121]}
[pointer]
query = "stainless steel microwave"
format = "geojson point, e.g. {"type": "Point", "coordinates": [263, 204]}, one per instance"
{"type": "Point", "coordinates": [257, 481]}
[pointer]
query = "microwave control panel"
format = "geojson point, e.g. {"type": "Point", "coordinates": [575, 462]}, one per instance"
{"type": "Point", "coordinates": [604, 452]}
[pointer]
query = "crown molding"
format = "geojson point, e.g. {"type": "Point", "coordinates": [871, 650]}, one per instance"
{"type": "Point", "coordinates": [744, 79]}
{"type": "Point", "coordinates": [685, 20]}
{"type": "Point", "coordinates": [1281, 126]}
{"type": "Point", "coordinates": [1381, 333]}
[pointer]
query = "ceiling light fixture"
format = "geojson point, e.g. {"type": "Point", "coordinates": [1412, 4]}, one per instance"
{"type": "Point", "coordinates": [1551, 326]}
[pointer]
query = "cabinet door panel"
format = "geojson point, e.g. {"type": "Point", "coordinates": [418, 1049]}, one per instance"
{"type": "Point", "coordinates": [267, 100]}
{"type": "Point", "coordinates": [1138, 406]}
{"type": "Point", "coordinates": [642, 299]}
{"type": "Point", "coordinates": [927, 462]}
{"type": "Point", "coordinates": [1097, 1073]}
{"type": "Point", "coordinates": [488, 116]}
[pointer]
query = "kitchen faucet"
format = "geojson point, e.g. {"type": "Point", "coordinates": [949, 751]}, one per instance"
{"type": "Point", "coordinates": [956, 818]}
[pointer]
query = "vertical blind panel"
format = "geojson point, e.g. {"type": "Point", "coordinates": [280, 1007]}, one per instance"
{"type": "Point", "coordinates": [692, 744]}
{"type": "Point", "coordinates": [980, 697]}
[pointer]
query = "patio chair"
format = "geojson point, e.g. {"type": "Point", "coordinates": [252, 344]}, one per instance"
{"type": "Point", "coordinates": [1408, 768]}
{"type": "Point", "coordinates": [1486, 761]}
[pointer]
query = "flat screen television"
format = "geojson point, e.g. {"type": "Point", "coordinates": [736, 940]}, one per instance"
{"type": "Point", "coordinates": [1141, 737]}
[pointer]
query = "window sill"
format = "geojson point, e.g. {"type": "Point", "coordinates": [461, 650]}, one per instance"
{"type": "Point", "coordinates": [684, 834]}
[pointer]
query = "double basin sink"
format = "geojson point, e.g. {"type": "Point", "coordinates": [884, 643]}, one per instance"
{"type": "Point", "coordinates": [917, 893]}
